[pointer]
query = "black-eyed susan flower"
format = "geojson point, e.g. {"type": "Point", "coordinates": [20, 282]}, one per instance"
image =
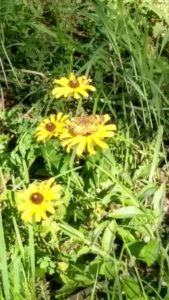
{"type": "Point", "coordinates": [38, 199]}
{"type": "Point", "coordinates": [72, 86]}
{"type": "Point", "coordinates": [85, 132]}
{"type": "Point", "coordinates": [51, 126]}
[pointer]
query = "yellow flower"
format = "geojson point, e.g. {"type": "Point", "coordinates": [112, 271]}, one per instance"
{"type": "Point", "coordinates": [37, 199]}
{"type": "Point", "coordinates": [51, 126]}
{"type": "Point", "coordinates": [73, 86]}
{"type": "Point", "coordinates": [85, 132]}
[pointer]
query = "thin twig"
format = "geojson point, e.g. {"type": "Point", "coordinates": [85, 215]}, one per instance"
{"type": "Point", "coordinates": [34, 73]}
{"type": "Point", "coordinates": [2, 101]}
{"type": "Point", "coordinates": [3, 71]}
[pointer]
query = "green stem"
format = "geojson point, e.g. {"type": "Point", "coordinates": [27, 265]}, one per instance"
{"type": "Point", "coordinates": [32, 255]}
{"type": "Point", "coordinates": [79, 108]}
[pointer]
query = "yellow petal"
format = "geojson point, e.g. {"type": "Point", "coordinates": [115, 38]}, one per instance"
{"type": "Point", "coordinates": [72, 76]}
{"type": "Point", "coordinates": [82, 92]}
{"type": "Point", "coordinates": [65, 134]}
{"type": "Point", "coordinates": [72, 141]}
{"type": "Point", "coordinates": [76, 95]}
{"type": "Point", "coordinates": [90, 87]}
{"type": "Point", "coordinates": [68, 91]}
{"type": "Point", "coordinates": [55, 90]}
{"type": "Point", "coordinates": [99, 142]}
{"type": "Point", "coordinates": [37, 217]}
{"type": "Point", "coordinates": [81, 147]}
{"type": "Point", "coordinates": [62, 81]}
{"type": "Point", "coordinates": [26, 216]}
{"type": "Point", "coordinates": [106, 118]}
{"type": "Point", "coordinates": [52, 118]}
{"type": "Point", "coordinates": [110, 127]}
{"type": "Point", "coordinates": [104, 134]}
{"type": "Point", "coordinates": [59, 116]}
{"type": "Point", "coordinates": [82, 79]}
{"type": "Point", "coordinates": [50, 208]}
{"type": "Point", "coordinates": [90, 146]}
{"type": "Point", "coordinates": [58, 92]}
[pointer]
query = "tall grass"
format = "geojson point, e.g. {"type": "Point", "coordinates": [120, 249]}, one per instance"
{"type": "Point", "coordinates": [140, 74]}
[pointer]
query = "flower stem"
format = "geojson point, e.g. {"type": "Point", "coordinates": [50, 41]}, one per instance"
{"type": "Point", "coordinates": [79, 108]}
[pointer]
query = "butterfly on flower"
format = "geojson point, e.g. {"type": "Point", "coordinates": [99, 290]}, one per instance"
{"type": "Point", "coordinates": [85, 132]}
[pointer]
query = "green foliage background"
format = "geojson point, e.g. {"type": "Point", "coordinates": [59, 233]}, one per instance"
{"type": "Point", "coordinates": [109, 239]}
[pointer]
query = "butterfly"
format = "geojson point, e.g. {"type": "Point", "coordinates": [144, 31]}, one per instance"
{"type": "Point", "coordinates": [84, 125]}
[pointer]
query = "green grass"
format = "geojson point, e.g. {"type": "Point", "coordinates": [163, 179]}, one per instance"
{"type": "Point", "coordinates": [109, 237]}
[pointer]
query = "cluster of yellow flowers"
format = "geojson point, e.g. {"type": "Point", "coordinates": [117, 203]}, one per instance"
{"type": "Point", "coordinates": [82, 133]}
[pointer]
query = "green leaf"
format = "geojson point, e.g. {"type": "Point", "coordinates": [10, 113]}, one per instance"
{"type": "Point", "coordinates": [158, 29]}
{"type": "Point", "coordinates": [146, 252]}
{"type": "Point", "coordinates": [125, 234]}
{"type": "Point", "coordinates": [131, 287]}
{"type": "Point", "coordinates": [151, 252]}
{"type": "Point", "coordinates": [109, 236]}
{"type": "Point", "coordinates": [147, 191]}
{"type": "Point", "coordinates": [157, 203]}
{"type": "Point", "coordinates": [141, 172]}
{"type": "Point", "coordinates": [72, 232]}
{"type": "Point", "coordinates": [108, 269]}
{"type": "Point", "coordinates": [83, 250]}
{"type": "Point", "coordinates": [98, 230]}
{"type": "Point", "coordinates": [45, 30]}
{"type": "Point", "coordinates": [157, 148]}
{"type": "Point", "coordinates": [127, 212]}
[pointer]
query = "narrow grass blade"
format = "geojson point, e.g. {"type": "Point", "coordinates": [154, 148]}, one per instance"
{"type": "Point", "coordinates": [156, 153]}
{"type": "Point", "coordinates": [4, 266]}
{"type": "Point", "coordinates": [32, 256]}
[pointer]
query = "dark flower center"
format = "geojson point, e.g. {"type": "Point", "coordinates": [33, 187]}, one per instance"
{"type": "Point", "coordinates": [37, 198]}
{"type": "Point", "coordinates": [50, 126]}
{"type": "Point", "coordinates": [73, 83]}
